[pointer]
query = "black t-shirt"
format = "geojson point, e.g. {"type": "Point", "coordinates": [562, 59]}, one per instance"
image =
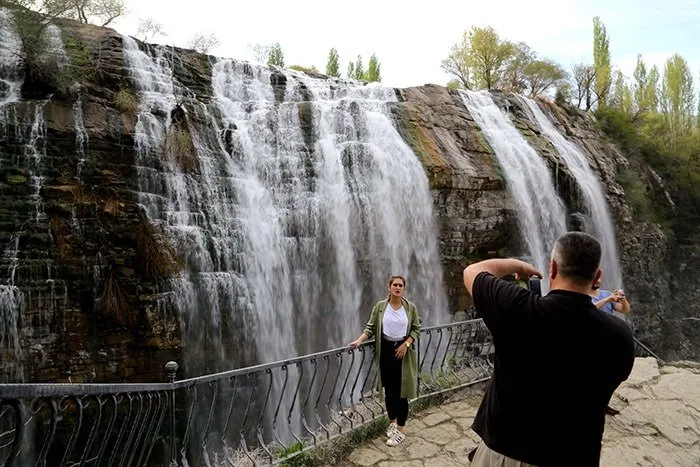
{"type": "Point", "coordinates": [558, 360]}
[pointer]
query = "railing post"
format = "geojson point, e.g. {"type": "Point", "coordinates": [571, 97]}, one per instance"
{"type": "Point", "coordinates": [171, 369]}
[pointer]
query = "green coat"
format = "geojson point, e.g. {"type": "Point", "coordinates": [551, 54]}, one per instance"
{"type": "Point", "coordinates": [409, 366]}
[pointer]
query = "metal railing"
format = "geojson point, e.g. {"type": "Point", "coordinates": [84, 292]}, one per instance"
{"type": "Point", "coordinates": [641, 350]}
{"type": "Point", "coordinates": [259, 415]}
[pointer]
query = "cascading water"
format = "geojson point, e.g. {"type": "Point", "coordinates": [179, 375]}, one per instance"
{"type": "Point", "coordinates": [36, 306]}
{"type": "Point", "coordinates": [541, 214]}
{"type": "Point", "coordinates": [588, 182]}
{"type": "Point", "coordinates": [302, 200]}
{"type": "Point", "coordinates": [81, 137]}
{"type": "Point", "coordinates": [11, 298]}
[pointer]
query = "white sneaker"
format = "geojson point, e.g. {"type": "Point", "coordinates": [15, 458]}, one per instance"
{"type": "Point", "coordinates": [397, 439]}
{"type": "Point", "coordinates": [391, 430]}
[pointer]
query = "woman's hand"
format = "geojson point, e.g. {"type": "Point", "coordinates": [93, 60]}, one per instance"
{"type": "Point", "coordinates": [356, 343]}
{"type": "Point", "coordinates": [401, 350]}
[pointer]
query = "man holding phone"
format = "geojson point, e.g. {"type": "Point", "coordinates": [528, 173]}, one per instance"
{"type": "Point", "coordinates": [557, 360]}
{"type": "Point", "coordinates": [610, 302]}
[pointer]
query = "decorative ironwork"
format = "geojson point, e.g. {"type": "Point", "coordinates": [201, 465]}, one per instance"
{"type": "Point", "coordinates": [259, 415]}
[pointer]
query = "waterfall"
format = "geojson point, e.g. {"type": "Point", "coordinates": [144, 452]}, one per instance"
{"type": "Point", "coordinates": [11, 299]}
{"type": "Point", "coordinates": [579, 166]}
{"type": "Point", "coordinates": [541, 214]}
{"type": "Point", "coordinates": [10, 70]}
{"type": "Point", "coordinates": [81, 137]}
{"type": "Point", "coordinates": [299, 202]}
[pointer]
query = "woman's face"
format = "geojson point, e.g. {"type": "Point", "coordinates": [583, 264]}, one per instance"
{"type": "Point", "coordinates": [396, 287]}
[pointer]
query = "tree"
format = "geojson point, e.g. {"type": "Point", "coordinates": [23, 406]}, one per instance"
{"type": "Point", "coordinates": [488, 56]}
{"type": "Point", "coordinates": [457, 62]}
{"type": "Point", "coordinates": [641, 78]}
{"type": "Point", "coordinates": [677, 97]}
{"type": "Point", "coordinates": [601, 61]}
{"type": "Point", "coordinates": [621, 96]}
{"type": "Point", "coordinates": [584, 82]}
{"type": "Point", "coordinates": [261, 52]}
{"type": "Point", "coordinates": [514, 78]}
{"type": "Point", "coordinates": [540, 75]}
{"type": "Point", "coordinates": [203, 43]}
{"type": "Point", "coordinates": [276, 56]}
{"type": "Point", "coordinates": [373, 73]}
{"type": "Point", "coordinates": [356, 70]}
{"type": "Point", "coordinates": [148, 29]}
{"type": "Point", "coordinates": [652, 89]}
{"type": "Point", "coordinates": [103, 11]}
{"type": "Point", "coordinates": [333, 64]}
{"type": "Point", "coordinates": [480, 60]}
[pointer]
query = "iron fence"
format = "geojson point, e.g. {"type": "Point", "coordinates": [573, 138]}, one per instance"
{"type": "Point", "coordinates": [259, 415]}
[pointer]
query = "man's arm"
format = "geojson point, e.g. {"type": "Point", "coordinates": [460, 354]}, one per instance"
{"type": "Point", "coordinates": [601, 303]}
{"type": "Point", "coordinates": [499, 267]}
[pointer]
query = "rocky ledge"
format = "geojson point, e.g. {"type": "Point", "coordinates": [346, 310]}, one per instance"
{"type": "Point", "coordinates": [658, 425]}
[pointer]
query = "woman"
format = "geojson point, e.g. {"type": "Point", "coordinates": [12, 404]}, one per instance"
{"type": "Point", "coordinates": [396, 324]}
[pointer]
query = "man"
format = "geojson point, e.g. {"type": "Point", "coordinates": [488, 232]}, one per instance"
{"type": "Point", "coordinates": [558, 360]}
{"type": "Point", "coordinates": [610, 302]}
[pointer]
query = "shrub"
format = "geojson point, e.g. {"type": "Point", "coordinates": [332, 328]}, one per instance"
{"type": "Point", "coordinates": [125, 101]}
{"type": "Point", "coordinates": [157, 257]}
{"type": "Point", "coordinates": [180, 148]}
{"type": "Point", "coordinates": [114, 302]}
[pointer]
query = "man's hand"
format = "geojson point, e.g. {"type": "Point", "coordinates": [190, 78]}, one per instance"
{"type": "Point", "coordinates": [526, 271]}
{"type": "Point", "coordinates": [621, 303]}
{"type": "Point", "coordinates": [499, 267]}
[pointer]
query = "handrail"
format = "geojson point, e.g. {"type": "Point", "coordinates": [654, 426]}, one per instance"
{"type": "Point", "coordinates": [263, 414]}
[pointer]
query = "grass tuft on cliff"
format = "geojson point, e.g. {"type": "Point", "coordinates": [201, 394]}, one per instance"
{"type": "Point", "coordinates": [180, 149]}
{"type": "Point", "coordinates": [60, 230]}
{"type": "Point", "coordinates": [114, 302]}
{"type": "Point", "coordinates": [126, 101]}
{"type": "Point", "coordinates": [157, 257]}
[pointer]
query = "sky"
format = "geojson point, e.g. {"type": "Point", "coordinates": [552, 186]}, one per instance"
{"type": "Point", "coordinates": [411, 41]}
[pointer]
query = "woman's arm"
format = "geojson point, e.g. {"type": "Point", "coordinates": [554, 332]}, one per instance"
{"type": "Point", "coordinates": [415, 327]}
{"type": "Point", "coordinates": [369, 329]}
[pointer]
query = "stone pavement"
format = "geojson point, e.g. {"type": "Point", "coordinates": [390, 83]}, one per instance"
{"type": "Point", "coordinates": [658, 425]}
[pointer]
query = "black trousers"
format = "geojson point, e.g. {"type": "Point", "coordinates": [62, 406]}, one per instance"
{"type": "Point", "coordinates": [390, 372]}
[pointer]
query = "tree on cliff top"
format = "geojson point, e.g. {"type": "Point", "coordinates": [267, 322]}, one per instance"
{"type": "Point", "coordinates": [275, 56]}
{"type": "Point", "coordinates": [148, 29]}
{"type": "Point", "coordinates": [482, 60]}
{"type": "Point", "coordinates": [333, 65]}
{"type": "Point", "coordinates": [203, 43]}
{"type": "Point", "coordinates": [373, 73]}
{"type": "Point", "coordinates": [601, 61]}
{"type": "Point", "coordinates": [85, 11]}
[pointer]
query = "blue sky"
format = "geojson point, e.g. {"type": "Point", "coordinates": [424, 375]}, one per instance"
{"type": "Point", "coordinates": [411, 41]}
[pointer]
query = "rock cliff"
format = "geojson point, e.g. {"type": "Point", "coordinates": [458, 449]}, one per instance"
{"type": "Point", "coordinates": [91, 274]}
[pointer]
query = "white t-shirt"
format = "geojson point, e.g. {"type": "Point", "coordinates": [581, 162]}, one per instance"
{"type": "Point", "coordinates": [395, 322]}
